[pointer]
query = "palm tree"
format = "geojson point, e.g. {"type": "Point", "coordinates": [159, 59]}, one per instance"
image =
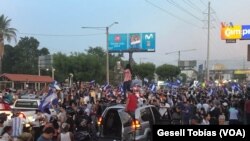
{"type": "Point", "coordinates": [5, 33]}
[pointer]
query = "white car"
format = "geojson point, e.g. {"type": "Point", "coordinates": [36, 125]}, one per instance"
{"type": "Point", "coordinates": [28, 108]}
{"type": "Point", "coordinates": [28, 96]}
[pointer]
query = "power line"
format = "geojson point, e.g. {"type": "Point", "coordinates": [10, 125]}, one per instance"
{"type": "Point", "coordinates": [61, 35]}
{"type": "Point", "coordinates": [171, 14]}
{"type": "Point", "coordinates": [183, 9]}
{"type": "Point", "coordinates": [192, 5]}
{"type": "Point", "coordinates": [203, 3]}
{"type": "Point", "coordinates": [216, 16]}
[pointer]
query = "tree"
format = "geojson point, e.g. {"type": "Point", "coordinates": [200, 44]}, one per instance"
{"type": "Point", "coordinates": [96, 51]}
{"type": "Point", "coordinates": [144, 70]}
{"type": "Point", "coordinates": [6, 32]}
{"type": "Point", "coordinates": [43, 51]}
{"type": "Point", "coordinates": [240, 77]}
{"type": "Point", "coordinates": [23, 57]}
{"type": "Point", "coordinates": [84, 67]}
{"type": "Point", "coordinates": [8, 59]}
{"type": "Point", "coordinates": [167, 71]}
{"type": "Point", "coordinates": [27, 56]}
{"type": "Point", "coordinates": [183, 77]}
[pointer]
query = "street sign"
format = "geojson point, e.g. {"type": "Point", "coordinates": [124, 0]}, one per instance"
{"type": "Point", "coordinates": [230, 40]}
{"type": "Point", "coordinates": [45, 61]}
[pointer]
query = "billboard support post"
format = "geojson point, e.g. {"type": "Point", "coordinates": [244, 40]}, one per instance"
{"type": "Point", "coordinates": [130, 57]}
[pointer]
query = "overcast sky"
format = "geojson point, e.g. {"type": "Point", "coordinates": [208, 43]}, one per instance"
{"type": "Point", "coordinates": [178, 24]}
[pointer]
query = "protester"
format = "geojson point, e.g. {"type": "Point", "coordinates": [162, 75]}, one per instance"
{"type": "Point", "coordinates": [47, 134]}
{"type": "Point", "coordinates": [247, 110]}
{"type": "Point", "coordinates": [6, 134]}
{"type": "Point", "coordinates": [65, 135]}
{"type": "Point", "coordinates": [127, 79]}
{"type": "Point", "coordinates": [131, 103]}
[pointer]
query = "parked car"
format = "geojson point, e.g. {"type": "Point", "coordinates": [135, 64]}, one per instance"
{"type": "Point", "coordinates": [116, 124]}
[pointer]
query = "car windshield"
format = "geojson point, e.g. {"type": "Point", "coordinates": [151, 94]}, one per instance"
{"type": "Point", "coordinates": [26, 104]}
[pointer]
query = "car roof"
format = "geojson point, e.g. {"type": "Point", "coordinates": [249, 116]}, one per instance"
{"type": "Point", "coordinates": [122, 106]}
{"type": "Point", "coordinates": [28, 99]}
{"type": "Point", "coordinates": [118, 106]}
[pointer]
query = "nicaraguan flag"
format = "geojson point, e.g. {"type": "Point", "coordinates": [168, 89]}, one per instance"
{"type": "Point", "coordinates": [105, 86]}
{"type": "Point", "coordinates": [92, 83]}
{"type": "Point", "coordinates": [210, 92]}
{"type": "Point", "coordinates": [121, 89]}
{"type": "Point", "coordinates": [153, 88]}
{"type": "Point", "coordinates": [51, 97]}
{"type": "Point", "coordinates": [178, 81]}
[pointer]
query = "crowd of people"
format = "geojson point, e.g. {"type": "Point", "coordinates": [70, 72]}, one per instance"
{"type": "Point", "coordinates": [80, 106]}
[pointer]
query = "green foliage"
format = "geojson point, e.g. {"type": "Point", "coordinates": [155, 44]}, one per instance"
{"type": "Point", "coordinates": [240, 77]}
{"type": "Point", "coordinates": [23, 58]}
{"type": "Point", "coordinates": [183, 77]}
{"type": "Point", "coordinates": [167, 71]}
{"type": "Point", "coordinates": [144, 70]}
{"type": "Point", "coordinates": [84, 67]}
{"type": "Point", "coordinates": [6, 32]}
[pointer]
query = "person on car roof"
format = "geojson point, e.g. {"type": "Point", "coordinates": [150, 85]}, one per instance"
{"type": "Point", "coordinates": [132, 101]}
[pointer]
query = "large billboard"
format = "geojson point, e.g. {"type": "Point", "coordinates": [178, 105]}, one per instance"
{"type": "Point", "coordinates": [135, 42]}
{"type": "Point", "coordinates": [232, 32]}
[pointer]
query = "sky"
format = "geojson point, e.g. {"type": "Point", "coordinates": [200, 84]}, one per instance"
{"type": "Point", "coordinates": [179, 25]}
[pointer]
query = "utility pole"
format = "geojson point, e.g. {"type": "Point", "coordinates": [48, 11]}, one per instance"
{"type": "Point", "coordinates": [107, 55]}
{"type": "Point", "coordinates": [208, 42]}
{"type": "Point", "coordinates": [107, 46]}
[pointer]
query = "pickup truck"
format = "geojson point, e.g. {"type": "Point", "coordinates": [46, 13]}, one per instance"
{"type": "Point", "coordinates": [116, 124]}
{"type": "Point", "coordinates": [28, 108]}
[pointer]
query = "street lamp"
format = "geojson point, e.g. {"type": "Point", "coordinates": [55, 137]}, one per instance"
{"type": "Point", "coordinates": [107, 44]}
{"type": "Point", "coordinates": [179, 54]}
{"type": "Point", "coordinates": [71, 79]}
{"type": "Point", "coordinates": [53, 72]}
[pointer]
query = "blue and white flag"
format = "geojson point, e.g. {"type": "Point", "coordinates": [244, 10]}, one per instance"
{"type": "Point", "coordinates": [153, 88]}
{"type": "Point", "coordinates": [106, 86]}
{"type": "Point", "coordinates": [225, 90]}
{"type": "Point", "coordinates": [235, 87]}
{"type": "Point", "coordinates": [178, 81]}
{"type": "Point", "coordinates": [92, 83]}
{"type": "Point", "coordinates": [121, 88]}
{"type": "Point", "coordinates": [210, 92]}
{"type": "Point", "coordinates": [145, 80]}
{"type": "Point", "coordinates": [51, 98]}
